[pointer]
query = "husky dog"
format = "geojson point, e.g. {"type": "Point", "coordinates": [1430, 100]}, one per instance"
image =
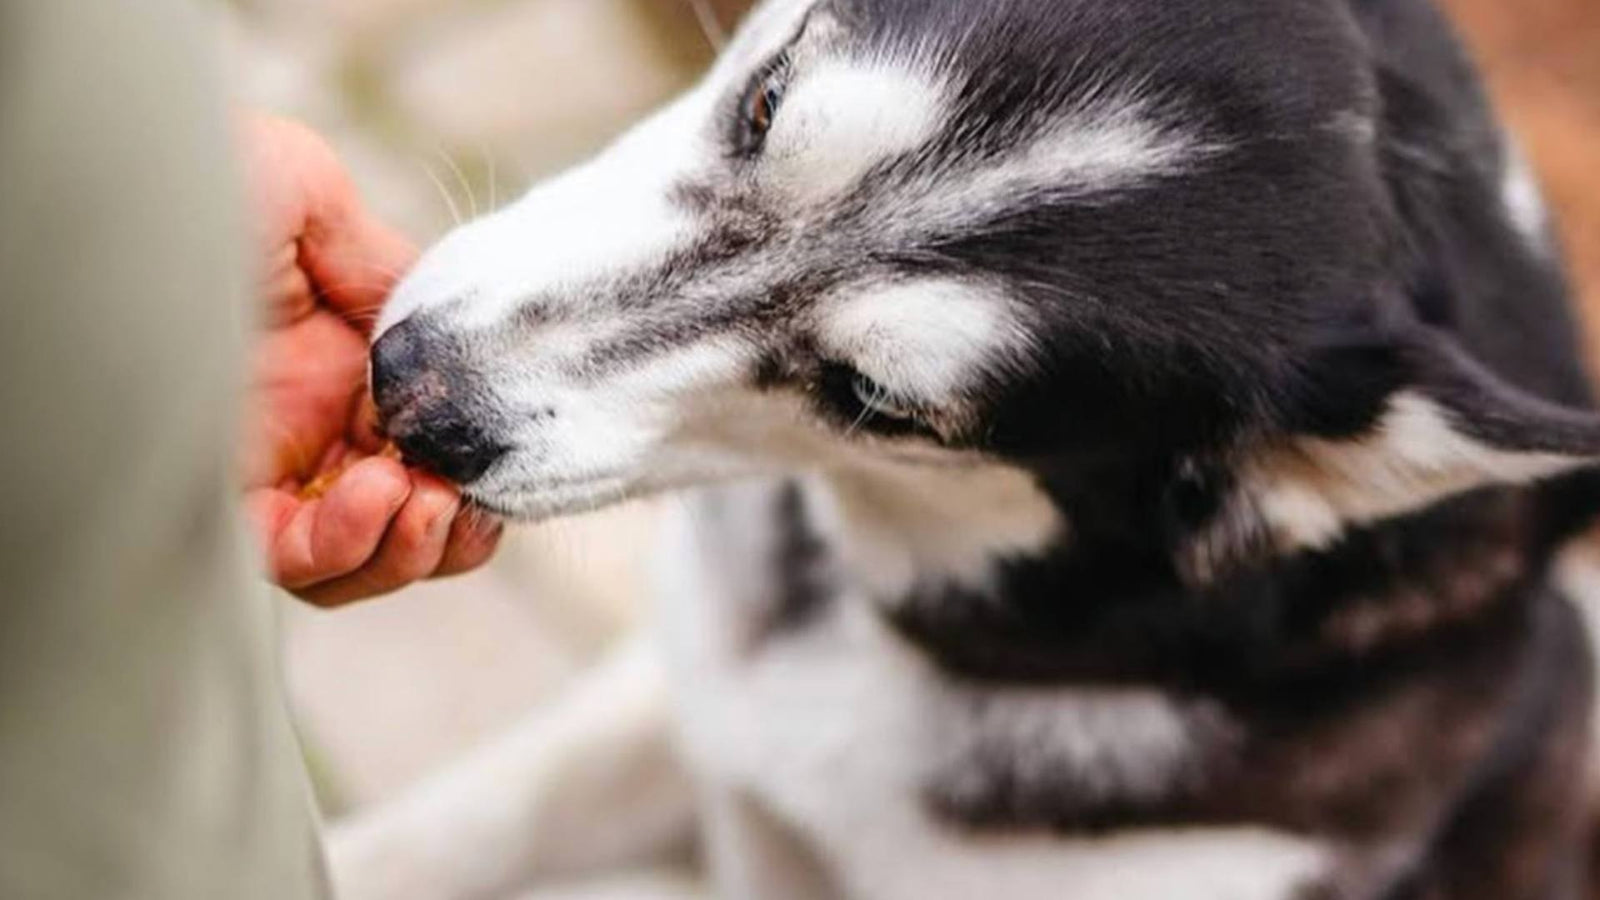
{"type": "Point", "coordinates": [1129, 441]}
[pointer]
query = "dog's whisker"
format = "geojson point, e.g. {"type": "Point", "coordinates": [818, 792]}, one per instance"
{"type": "Point", "coordinates": [461, 179]}
{"type": "Point", "coordinates": [491, 166]}
{"type": "Point", "coordinates": [449, 198]}
{"type": "Point", "coordinates": [879, 395]}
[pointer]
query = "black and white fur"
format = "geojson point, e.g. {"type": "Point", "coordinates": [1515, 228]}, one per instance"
{"type": "Point", "coordinates": [1128, 442]}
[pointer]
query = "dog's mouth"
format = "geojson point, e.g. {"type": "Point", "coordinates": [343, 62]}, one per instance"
{"type": "Point", "coordinates": [538, 501]}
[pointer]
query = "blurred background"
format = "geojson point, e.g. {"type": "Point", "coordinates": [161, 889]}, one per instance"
{"type": "Point", "coordinates": [443, 108]}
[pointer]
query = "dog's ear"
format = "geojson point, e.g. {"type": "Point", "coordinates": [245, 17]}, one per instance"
{"type": "Point", "coordinates": [1436, 423]}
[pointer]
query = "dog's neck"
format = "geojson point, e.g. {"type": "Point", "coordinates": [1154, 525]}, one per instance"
{"type": "Point", "coordinates": [999, 574]}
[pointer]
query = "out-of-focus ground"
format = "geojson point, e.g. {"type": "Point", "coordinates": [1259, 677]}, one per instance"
{"type": "Point", "coordinates": [476, 98]}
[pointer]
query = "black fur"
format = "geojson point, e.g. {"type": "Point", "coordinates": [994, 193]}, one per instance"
{"type": "Point", "coordinates": [1353, 242]}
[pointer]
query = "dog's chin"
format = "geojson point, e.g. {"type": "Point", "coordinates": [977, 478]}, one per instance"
{"type": "Point", "coordinates": [541, 503]}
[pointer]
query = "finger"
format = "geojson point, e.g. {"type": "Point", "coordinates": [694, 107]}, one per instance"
{"type": "Point", "coordinates": [274, 453]}
{"type": "Point", "coordinates": [269, 511]}
{"type": "Point", "coordinates": [355, 262]}
{"type": "Point", "coordinates": [306, 200]}
{"type": "Point", "coordinates": [411, 550]}
{"type": "Point", "coordinates": [474, 538]}
{"type": "Point", "coordinates": [366, 427]}
{"type": "Point", "coordinates": [336, 535]}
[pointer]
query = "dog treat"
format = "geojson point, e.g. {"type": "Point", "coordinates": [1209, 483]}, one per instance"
{"type": "Point", "coordinates": [318, 487]}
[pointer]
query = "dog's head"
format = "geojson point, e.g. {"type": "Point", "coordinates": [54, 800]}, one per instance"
{"type": "Point", "coordinates": [1044, 235]}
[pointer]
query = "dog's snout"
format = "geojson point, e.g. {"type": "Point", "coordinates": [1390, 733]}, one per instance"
{"type": "Point", "coordinates": [421, 399]}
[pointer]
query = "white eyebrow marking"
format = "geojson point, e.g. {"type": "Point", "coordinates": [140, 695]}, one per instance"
{"type": "Point", "coordinates": [1113, 144]}
{"type": "Point", "coordinates": [838, 122]}
{"type": "Point", "coordinates": [925, 340]}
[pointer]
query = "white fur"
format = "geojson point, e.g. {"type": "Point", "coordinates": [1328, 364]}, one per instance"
{"type": "Point", "coordinates": [599, 441]}
{"type": "Point", "coordinates": [897, 524]}
{"type": "Point", "coordinates": [602, 217]}
{"type": "Point", "coordinates": [1524, 200]}
{"type": "Point", "coordinates": [596, 219]}
{"type": "Point", "coordinates": [840, 121]}
{"type": "Point", "coordinates": [922, 340]}
{"type": "Point", "coordinates": [766, 29]}
{"type": "Point", "coordinates": [1127, 743]}
{"type": "Point", "coordinates": [1310, 492]}
{"type": "Point", "coordinates": [1109, 145]}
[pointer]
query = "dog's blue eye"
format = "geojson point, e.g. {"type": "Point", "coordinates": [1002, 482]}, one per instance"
{"type": "Point", "coordinates": [879, 401]}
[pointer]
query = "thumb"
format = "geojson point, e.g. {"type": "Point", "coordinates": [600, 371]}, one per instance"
{"type": "Point", "coordinates": [355, 262]}
{"type": "Point", "coordinates": [308, 206]}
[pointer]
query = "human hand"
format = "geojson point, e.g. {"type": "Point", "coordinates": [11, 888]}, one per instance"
{"type": "Point", "coordinates": [329, 268]}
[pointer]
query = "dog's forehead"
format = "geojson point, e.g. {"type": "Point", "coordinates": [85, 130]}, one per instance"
{"type": "Point", "coordinates": [1247, 63]}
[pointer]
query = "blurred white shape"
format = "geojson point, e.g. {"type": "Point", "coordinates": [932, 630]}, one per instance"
{"type": "Point", "coordinates": [390, 690]}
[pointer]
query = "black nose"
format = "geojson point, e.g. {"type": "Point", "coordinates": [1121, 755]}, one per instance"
{"type": "Point", "coordinates": [423, 397]}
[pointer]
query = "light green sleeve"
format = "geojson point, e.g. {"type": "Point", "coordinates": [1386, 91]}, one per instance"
{"type": "Point", "coordinates": [144, 747]}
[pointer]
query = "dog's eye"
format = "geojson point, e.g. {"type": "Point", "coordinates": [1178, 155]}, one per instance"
{"type": "Point", "coordinates": [877, 400]}
{"type": "Point", "coordinates": [763, 108]}
{"type": "Point", "coordinates": [759, 108]}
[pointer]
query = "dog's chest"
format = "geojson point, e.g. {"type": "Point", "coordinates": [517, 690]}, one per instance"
{"type": "Point", "coordinates": [862, 755]}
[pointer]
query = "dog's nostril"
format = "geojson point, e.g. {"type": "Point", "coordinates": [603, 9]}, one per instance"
{"type": "Point", "coordinates": [443, 441]}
